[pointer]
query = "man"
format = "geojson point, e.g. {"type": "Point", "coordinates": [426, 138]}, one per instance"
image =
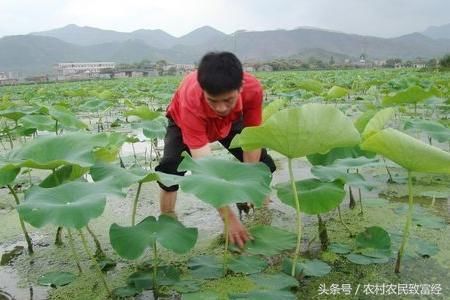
{"type": "Point", "coordinates": [212, 104]}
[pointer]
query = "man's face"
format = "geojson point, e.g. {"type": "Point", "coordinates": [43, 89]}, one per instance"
{"type": "Point", "coordinates": [224, 103]}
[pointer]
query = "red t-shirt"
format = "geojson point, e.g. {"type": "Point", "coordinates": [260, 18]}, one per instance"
{"type": "Point", "coordinates": [199, 124]}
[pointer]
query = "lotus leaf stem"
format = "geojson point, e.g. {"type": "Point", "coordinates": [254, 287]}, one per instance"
{"type": "Point", "coordinates": [74, 252]}
{"type": "Point", "coordinates": [225, 251]}
{"type": "Point", "coordinates": [342, 221]}
{"type": "Point", "coordinates": [299, 218]}
{"type": "Point", "coordinates": [88, 252]}
{"type": "Point", "coordinates": [407, 224]}
{"type": "Point", "coordinates": [136, 199]}
{"type": "Point", "coordinates": [22, 224]}
{"type": "Point", "coordinates": [155, 269]}
{"type": "Point", "coordinates": [98, 247]}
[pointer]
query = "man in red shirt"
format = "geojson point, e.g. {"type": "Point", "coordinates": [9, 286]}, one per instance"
{"type": "Point", "coordinates": [212, 104]}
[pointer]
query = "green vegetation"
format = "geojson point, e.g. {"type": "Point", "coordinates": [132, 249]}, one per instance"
{"type": "Point", "coordinates": [382, 135]}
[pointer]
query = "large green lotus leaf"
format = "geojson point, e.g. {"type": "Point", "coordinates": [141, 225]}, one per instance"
{"type": "Point", "coordinates": [336, 92]}
{"type": "Point", "coordinates": [268, 240]}
{"type": "Point", "coordinates": [373, 237]}
{"type": "Point", "coordinates": [63, 175]}
{"type": "Point", "coordinates": [430, 221]}
{"type": "Point", "coordinates": [65, 118]}
{"type": "Point", "coordinates": [130, 242]}
{"type": "Point", "coordinates": [40, 122]}
{"type": "Point", "coordinates": [50, 152]}
{"type": "Point", "coordinates": [8, 173]}
{"type": "Point", "coordinates": [378, 122]}
{"type": "Point", "coordinates": [413, 94]}
{"type": "Point", "coordinates": [222, 182]}
{"type": "Point", "coordinates": [272, 108]}
{"type": "Point", "coordinates": [143, 112]}
{"type": "Point", "coordinates": [125, 291]}
{"type": "Point", "coordinates": [174, 236]}
{"type": "Point", "coordinates": [357, 162]}
{"type": "Point", "coordinates": [434, 129]}
{"type": "Point", "coordinates": [408, 152]}
{"type": "Point", "coordinates": [23, 131]}
{"type": "Point", "coordinates": [315, 197]}
{"type": "Point", "coordinates": [330, 173]}
{"type": "Point", "coordinates": [278, 281]}
{"type": "Point", "coordinates": [361, 121]}
{"type": "Point", "coordinates": [206, 267]}
{"type": "Point", "coordinates": [310, 85]}
{"type": "Point", "coordinates": [123, 177]}
{"type": "Point", "coordinates": [265, 295]}
{"type": "Point", "coordinates": [366, 260]}
{"type": "Point", "coordinates": [314, 268]}
{"type": "Point", "coordinates": [424, 248]}
{"type": "Point", "coordinates": [296, 132]}
{"type": "Point", "coordinates": [247, 264]}
{"type": "Point", "coordinates": [376, 253]}
{"type": "Point", "coordinates": [71, 205]}
{"type": "Point", "coordinates": [143, 280]}
{"type": "Point", "coordinates": [17, 112]}
{"type": "Point", "coordinates": [187, 286]}
{"type": "Point", "coordinates": [339, 248]}
{"type": "Point", "coordinates": [56, 279]}
{"type": "Point", "coordinates": [95, 105]}
{"type": "Point", "coordinates": [338, 171]}
{"type": "Point", "coordinates": [338, 153]}
{"type": "Point", "coordinates": [422, 217]}
{"type": "Point", "coordinates": [155, 128]}
{"type": "Point", "coordinates": [201, 296]}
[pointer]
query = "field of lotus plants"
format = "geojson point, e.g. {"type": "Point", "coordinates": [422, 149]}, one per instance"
{"type": "Point", "coordinates": [359, 202]}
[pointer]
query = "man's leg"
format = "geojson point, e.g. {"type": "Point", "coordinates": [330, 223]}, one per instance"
{"type": "Point", "coordinates": [238, 153]}
{"type": "Point", "coordinates": [173, 147]}
{"type": "Point", "coordinates": [167, 201]}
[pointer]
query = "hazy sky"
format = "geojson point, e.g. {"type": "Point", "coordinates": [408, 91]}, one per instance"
{"type": "Point", "coordinates": [385, 18]}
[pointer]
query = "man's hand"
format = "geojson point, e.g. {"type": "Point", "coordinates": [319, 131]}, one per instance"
{"type": "Point", "coordinates": [237, 233]}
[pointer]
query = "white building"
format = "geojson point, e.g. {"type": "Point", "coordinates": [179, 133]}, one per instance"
{"type": "Point", "coordinates": [81, 70]}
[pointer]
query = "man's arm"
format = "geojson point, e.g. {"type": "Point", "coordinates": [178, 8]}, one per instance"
{"type": "Point", "coordinates": [201, 152]}
{"type": "Point", "coordinates": [237, 233]}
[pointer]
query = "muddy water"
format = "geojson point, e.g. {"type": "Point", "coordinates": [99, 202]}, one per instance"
{"type": "Point", "coordinates": [18, 278]}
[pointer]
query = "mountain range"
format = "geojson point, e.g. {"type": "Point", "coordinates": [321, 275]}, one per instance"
{"type": "Point", "coordinates": [38, 51]}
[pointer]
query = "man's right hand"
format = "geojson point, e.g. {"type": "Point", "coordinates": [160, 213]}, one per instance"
{"type": "Point", "coordinates": [237, 233]}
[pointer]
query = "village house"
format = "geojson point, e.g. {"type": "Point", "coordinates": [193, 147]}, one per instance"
{"type": "Point", "coordinates": [7, 79]}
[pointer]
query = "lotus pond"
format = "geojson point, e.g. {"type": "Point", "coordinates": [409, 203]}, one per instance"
{"type": "Point", "coordinates": [359, 202]}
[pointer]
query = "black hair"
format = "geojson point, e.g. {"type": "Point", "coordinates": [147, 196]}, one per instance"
{"type": "Point", "coordinates": [220, 72]}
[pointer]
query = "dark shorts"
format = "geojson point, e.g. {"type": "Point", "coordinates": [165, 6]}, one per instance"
{"type": "Point", "coordinates": [174, 146]}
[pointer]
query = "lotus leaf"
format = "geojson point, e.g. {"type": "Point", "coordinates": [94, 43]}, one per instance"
{"type": "Point", "coordinates": [296, 132]}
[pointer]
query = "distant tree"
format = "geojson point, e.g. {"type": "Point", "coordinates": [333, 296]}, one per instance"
{"type": "Point", "coordinates": [409, 64]}
{"type": "Point", "coordinates": [432, 63]}
{"type": "Point", "coordinates": [161, 62]}
{"type": "Point", "coordinates": [445, 61]}
{"type": "Point", "coordinates": [331, 62]}
{"type": "Point", "coordinates": [391, 62]}
{"type": "Point", "coordinates": [172, 71]}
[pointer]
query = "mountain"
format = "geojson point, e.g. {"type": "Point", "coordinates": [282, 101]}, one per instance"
{"type": "Point", "coordinates": [201, 35]}
{"type": "Point", "coordinates": [282, 43]}
{"type": "Point", "coordinates": [438, 32]}
{"type": "Point", "coordinates": [24, 53]}
{"type": "Point", "coordinates": [88, 36]}
{"type": "Point", "coordinates": [38, 52]}
{"type": "Point", "coordinates": [30, 54]}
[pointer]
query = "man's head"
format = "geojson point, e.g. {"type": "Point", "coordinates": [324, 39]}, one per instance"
{"type": "Point", "coordinates": [220, 76]}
